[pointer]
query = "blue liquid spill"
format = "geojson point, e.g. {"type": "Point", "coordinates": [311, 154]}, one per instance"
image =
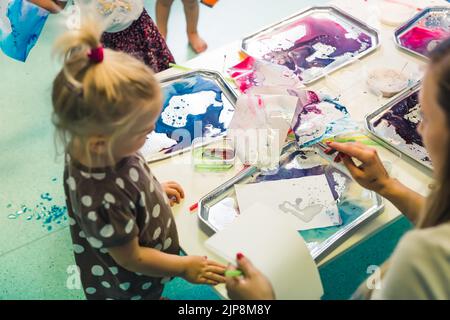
{"type": "Point", "coordinates": [49, 214]}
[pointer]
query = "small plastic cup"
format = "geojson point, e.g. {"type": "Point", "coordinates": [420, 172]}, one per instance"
{"type": "Point", "coordinates": [215, 156]}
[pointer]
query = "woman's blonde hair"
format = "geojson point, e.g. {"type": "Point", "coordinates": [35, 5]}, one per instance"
{"type": "Point", "coordinates": [98, 98]}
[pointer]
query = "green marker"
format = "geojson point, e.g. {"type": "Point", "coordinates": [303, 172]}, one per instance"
{"type": "Point", "coordinates": [177, 66]}
{"type": "Point", "coordinates": [183, 68]}
{"type": "Point", "coordinates": [233, 273]}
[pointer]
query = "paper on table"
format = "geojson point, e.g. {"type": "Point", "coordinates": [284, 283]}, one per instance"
{"type": "Point", "coordinates": [279, 252]}
{"type": "Point", "coordinates": [306, 202]}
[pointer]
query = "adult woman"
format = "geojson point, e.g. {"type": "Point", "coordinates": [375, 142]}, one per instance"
{"type": "Point", "coordinates": [419, 268]}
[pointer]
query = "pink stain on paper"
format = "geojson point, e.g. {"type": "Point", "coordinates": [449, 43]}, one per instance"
{"type": "Point", "coordinates": [244, 74]}
{"type": "Point", "coordinates": [251, 73]}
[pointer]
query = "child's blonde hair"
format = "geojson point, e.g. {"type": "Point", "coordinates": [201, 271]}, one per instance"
{"type": "Point", "coordinates": [91, 98]}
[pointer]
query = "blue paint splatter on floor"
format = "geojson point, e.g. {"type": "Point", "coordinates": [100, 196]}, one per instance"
{"type": "Point", "coordinates": [45, 211]}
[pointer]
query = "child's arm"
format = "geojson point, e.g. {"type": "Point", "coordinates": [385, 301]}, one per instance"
{"type": "Point", "coordinates": [155, 263]}
{"type": "Point", "coordinates": [50, 5]}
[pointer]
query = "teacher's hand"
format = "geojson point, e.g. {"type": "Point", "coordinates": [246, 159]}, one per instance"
{"type": "Point", "coordinates": [371, 174]}
{"type": "Point", "coordinates": [253, 285]}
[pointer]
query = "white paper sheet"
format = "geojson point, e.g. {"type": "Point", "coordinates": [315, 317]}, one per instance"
{"type": "Point", "coordinates": [274, 248]}
{"type": "Point", "coordinates": [306, 202]}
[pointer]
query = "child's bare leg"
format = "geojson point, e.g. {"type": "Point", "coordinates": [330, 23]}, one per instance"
{"type": "Point", "coordinates": [50, 5]}
{"type": "Point", "coordinates": [191, 10]}
{"type": "Point", "coordinates": [162, 15]}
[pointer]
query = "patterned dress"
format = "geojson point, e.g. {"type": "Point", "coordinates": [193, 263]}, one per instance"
{"type": "Point", "coordinates": [142, 40]}
{"type": "Point", "coordinates": [109, 207]}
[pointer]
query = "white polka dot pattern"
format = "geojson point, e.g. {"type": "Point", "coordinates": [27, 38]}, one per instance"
{"type": "Point", "coordinates": [86, 201]}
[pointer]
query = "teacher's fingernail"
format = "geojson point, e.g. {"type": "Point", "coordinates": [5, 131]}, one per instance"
{"type": "Point", "coordinates": [239, 256]}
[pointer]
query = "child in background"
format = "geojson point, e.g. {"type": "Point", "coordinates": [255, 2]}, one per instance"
{"type": "Point", "coordinates": [129, 28]}
{"type": "Point", "coordinates": [125, 241]}
{"type": "Point", "coordinates": [134, 32]}
{"type": "Point", "coordinates": [191, 11]}
{"type": "Point", "coordinates": [53, 6]}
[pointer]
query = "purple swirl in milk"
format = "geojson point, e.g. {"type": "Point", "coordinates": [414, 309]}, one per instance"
{"type": "Point", "coordinates": [311, 44]}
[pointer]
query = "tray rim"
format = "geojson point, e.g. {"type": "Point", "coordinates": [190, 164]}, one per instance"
{"type": "Point", "coordinates": [230, 94]}
{"type": "Point", "coordinates": [372, 31]}
{"type": "Point", "coordinates": [384, 142]}
{"type": "Point", "coordinates": [328, 245]}
{"type": "Point", "coordinates": [408, 24]}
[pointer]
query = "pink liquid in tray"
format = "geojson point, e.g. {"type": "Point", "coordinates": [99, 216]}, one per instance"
{"type": "Point", "coordinates": [423, 40]}
{"type": "Point", "coordinates": [426, 34]}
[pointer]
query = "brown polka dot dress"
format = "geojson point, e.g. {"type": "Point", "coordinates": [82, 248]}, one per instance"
{"type": "Point", "coordinates": [109, 207]}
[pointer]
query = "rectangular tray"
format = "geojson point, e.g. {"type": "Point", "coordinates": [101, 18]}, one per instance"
{"type": "Point", "coordinates": [320, 241]}
{"type": "Point", "coordinates": [228, 94]}
{"type": "Point", "coordinates": [414, 21]}
{"type": "Point", "coordinates": [387, 142]}
{"type": "Point", "coordinates": [337, 15]}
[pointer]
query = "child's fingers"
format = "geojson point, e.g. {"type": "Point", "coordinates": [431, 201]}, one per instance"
{"type": "Point", "coordinates": [180, 189]}
{"type": "Point", "coordinates": [176, 186]}
{"type": "Point", "coordinates": [216, 264]}
{"type": "Point", "coordinates": [208, 281]}
{"type": "Point", "coordinates": [218, 270]}
{"type": "Point", "coordinates": [173, 193]}
{"type": "Point", "coordinates": [214, 277]}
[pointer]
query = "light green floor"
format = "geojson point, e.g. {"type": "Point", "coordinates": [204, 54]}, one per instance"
{"type": "Point", "coordinates": [33, 260]}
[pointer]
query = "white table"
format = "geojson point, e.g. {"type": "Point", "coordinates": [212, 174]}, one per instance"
{"type": "Point", "coordinates": [358, 101]}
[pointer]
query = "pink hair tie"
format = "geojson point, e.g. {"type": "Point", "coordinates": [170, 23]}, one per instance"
{"type": "Point", "coordinates": [96, 55]}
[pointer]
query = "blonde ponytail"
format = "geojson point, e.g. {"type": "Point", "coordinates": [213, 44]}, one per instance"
{"type": "Point", "coordinates": [98, 98]}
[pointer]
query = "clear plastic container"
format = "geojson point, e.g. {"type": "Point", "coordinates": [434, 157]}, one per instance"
{"type": "Point", "coordinates": [408, 72]}
{"type": "Point", "coordinates": [394, 13]}
{"type": "Point", "coordinates": [215, 156]}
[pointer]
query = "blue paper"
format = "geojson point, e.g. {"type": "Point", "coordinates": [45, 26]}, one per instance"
{"type": "Point", "coordinates": [21, 23]}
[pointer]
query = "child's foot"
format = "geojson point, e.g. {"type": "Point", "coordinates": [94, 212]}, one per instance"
{"type": "Point", "coordinates": [198, 44]}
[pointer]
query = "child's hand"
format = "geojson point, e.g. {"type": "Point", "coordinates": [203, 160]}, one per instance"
{"type": "Point", "coordinates": [203, 271]}
{"type": "Point", "coordinates": [174, 192]}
